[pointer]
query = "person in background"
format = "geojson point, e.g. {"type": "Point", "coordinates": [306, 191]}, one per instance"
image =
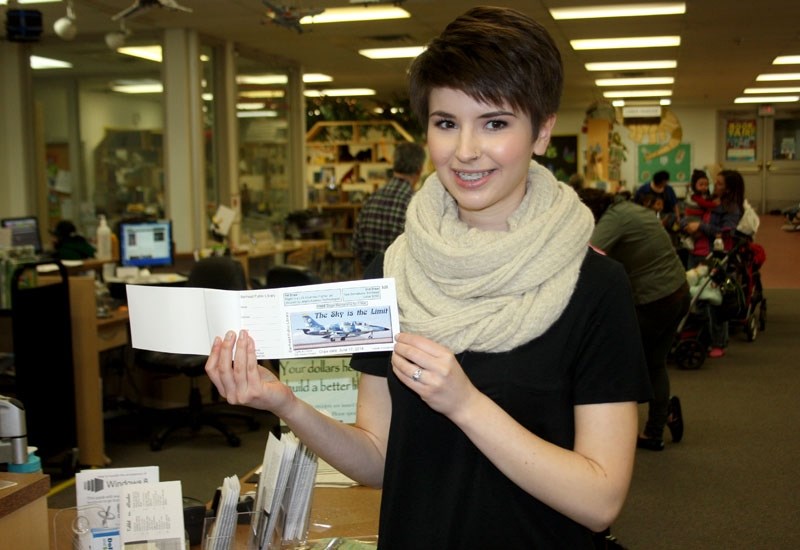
{"type": "Point", "coordinates": [697, 207]}
{"type": "Point", "coordinates": [660, 187]}
{"type": "Point", "coordinates": [629, 233]}
{"type": "Point", "coordinates": [722, 222]}
{"type": "Point", "coordinates": [383, 215]}
{"type": "Point", "coordinates": [506, 416]}
{"type": "Point", "coordinates": [68, 244]}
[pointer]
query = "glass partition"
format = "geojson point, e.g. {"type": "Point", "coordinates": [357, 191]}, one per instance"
{"type": "Point", "coordinates": [263, 148]}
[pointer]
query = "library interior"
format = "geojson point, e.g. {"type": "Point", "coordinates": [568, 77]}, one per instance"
{"type": "Point", "coordinates": [239, 147]}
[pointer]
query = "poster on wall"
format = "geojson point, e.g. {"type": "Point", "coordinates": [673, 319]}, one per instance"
{"type": "Point", "coordinates": [561, 157]}
{"type": "Point", "coordinates": [740, 140]}
{"type": "Point", "coordinates": [678, 162]}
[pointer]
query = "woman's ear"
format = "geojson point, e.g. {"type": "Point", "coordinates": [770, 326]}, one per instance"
{"type": "Point", "coordinates": [543, 139]}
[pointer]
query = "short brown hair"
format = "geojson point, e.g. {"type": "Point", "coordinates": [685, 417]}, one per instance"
{"type": "Point", "coordinates": [494, 55]}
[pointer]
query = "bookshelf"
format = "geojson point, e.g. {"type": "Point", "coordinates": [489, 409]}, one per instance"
{"type": "Point", "coordinates": [346, 161]}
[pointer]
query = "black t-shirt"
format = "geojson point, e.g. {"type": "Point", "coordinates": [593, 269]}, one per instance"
{"type": "Point", "coordinates": [440, 491]}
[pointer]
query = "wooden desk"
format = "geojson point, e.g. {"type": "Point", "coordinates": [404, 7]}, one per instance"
{"type": "Point", "coordinates": [335, 512]}
{"type": "Point", "coordinates": [23, 511]}
{"type": "Point", "coordinates": [90, 336]}
{"type": "Point", "coordinates": [274, 252]}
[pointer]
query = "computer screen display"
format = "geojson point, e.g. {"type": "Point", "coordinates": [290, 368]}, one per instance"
{"type": "Point", "coordinates": [145, 244]}
{"type": "Point", "coordinates": [24, 231]}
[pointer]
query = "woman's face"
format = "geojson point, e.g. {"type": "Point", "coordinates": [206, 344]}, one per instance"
{"type": "Point", "coordinates": [481, 153]}
{"type": "Point", "coordinates": [719, 186]}
{"type": "Point", "coordinates": [701, 185]}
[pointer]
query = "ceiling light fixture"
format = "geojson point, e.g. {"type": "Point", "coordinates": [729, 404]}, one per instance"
{"type": "Point", "coordinates": [349, 15]}
{"type": "Point", "coordinates": [637, 93]}
{"type": "Point", "coordinates": [137, 86]}
{"type": "Point", "coordinates": [38, 62]}
{"type": "Point", "coordinates": [257, 114]}
{"type": "Point", "coordinates": [66, 27]}
{"type": "Point", "coordinates": [618, 10]}
{"type": "Point", "coordinates": [393, 53]}
{"type": "Point", "coordinates": [787, 60]}
{"type": "Point", "coordinates": [777, 77]}
{"type": "Point", "coordinates": [339, 92]}
{"type": "Point", "coordinates": [627, 42]}
{"type": "Point", "coordinates": [272, 79]}
{"type": "Point", "coordinates": [767, 99]}
{"type": "Point", "coordinates": [262, 94]}
{"type": "Point", "coordinates": [784, 90]}
{"type": "Point", "coordinates": [644, 81]}
{"type": "Point", "coordinates": [151, 53]}
{"type": "Point", "coordinates": [116, 39]}
{"type": "Point", "coordinates": [631, 65]}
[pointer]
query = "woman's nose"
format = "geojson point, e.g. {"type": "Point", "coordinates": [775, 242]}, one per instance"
{"type": "Point", "coordinates": [468, 147]}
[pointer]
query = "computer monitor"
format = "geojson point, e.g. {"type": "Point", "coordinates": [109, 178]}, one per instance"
{"type": "Point", "coordinates": [145, 243]}
{"type": "Point", "coordinates": [24, 231]}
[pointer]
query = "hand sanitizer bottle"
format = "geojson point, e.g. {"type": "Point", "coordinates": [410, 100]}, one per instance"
{"type": "Point", "coordinates": [103, 240]}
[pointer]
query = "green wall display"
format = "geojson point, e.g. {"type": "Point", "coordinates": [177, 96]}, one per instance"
{"type": "Point", "coordinates": [678, 162]}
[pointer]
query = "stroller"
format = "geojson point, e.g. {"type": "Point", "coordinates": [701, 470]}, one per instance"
{"type": "Point", "coordinates": [731, 284]}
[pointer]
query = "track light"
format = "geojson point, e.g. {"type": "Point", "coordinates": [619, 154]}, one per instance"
{"type": "Point", "coordinates": [116, 39]}
{"type": "Point", "coordinates": [66, 27]}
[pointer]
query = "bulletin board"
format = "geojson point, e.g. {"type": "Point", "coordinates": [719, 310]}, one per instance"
{"type": "Point", "coordinates": [677, 161]}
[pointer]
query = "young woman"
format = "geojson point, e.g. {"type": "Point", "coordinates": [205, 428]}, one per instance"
{"type": "Point", "coordinates": [506, 416]}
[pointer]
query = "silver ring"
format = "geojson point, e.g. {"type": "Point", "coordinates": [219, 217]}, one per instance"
{"type": "Point", "coordinates": [417, 375]}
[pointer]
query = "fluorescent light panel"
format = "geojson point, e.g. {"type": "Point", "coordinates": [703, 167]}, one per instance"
{"type": "Point", "coordinates": [785, 90]}
{"type": "Point", "coordinates": [627, 42]}
{"type": "Point", "coordinates": [272, 79]}
{"type": "Point", "coordinates": [339, 92]}
{"type": "Point", "coordinates": [767, 99]}
{"type": "Point", "coordinates": [38, 62]}
{"type": "Point", "coordinates": [637, 93]}
{"type": "Point", "coordinates": [151, 53]}
{"type": "Point", "coordinates": [5, 2]}
{"type": "Point", "coordinates": [142, 86]}
{"type": "Point", "coordinates": [644, 81]}
{"type": "Point", "coordinates": [351, 14]}
{"type": "Point", "coordinates": [787, 60]}
{"type": "Point", "coordinates": [392, 53]}
{"type": "Point", "coordinates": [262, 94]}
{"type": "Point", "coordinates": [257, 114]}
{"type": "Point", "coordinates": [631, 65]}
{"type": "Point", "coordinates": [619, 10]}
{"type": "Point", "coordinates": [777, 77]}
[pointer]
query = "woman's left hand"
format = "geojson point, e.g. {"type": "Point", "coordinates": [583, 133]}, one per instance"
{"type": "Point", "coordinates": [432, 371]}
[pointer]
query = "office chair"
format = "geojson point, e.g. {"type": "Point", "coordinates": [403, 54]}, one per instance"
{"type": "Point", "coordinates": [220, 272]}
{"type": "Point", "coordinates": [285, 275]}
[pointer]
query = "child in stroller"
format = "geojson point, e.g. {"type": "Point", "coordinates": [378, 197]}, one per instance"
{"type": "Point", "coordinates": [730, 283]}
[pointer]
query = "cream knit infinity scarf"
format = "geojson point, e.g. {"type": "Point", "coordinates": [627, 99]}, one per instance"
{"type": "Point", "coordinates": [488, 290]}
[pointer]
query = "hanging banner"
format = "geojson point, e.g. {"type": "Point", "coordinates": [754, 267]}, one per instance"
{"type": "Point", "coordinates": [740, 140]}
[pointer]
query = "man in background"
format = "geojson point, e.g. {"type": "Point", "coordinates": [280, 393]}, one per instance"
{"type": "Point", "coordinates": [383, 216]}
{"type": "Point", "coordinates": [660, 188]}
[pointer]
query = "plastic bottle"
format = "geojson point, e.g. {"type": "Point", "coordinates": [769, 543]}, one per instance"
{"type": "Point", "coordinates": [719, 245]}
{"type": "Point", "coordinates": [103, 240]}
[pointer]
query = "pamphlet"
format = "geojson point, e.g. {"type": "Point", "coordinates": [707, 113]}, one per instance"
{"type": "Point", "coordinates": [151, 516]}
{"type": "Point", "coordinates": [97, 494]}
{"type": "Point", "coordinates": [305, 321]}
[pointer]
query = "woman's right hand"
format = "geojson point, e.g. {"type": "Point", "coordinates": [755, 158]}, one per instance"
{"type": "Point", "coordinates": [240, 379]}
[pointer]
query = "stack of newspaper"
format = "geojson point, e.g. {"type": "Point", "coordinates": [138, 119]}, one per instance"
{"type": "Point", "coordinates": [283, 499]}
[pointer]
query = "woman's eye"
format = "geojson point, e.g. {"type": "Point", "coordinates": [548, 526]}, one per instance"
{"type": "Point", "coordinates": [444, 123]}
{"type": "Point", "coordinates": [496, 124]}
